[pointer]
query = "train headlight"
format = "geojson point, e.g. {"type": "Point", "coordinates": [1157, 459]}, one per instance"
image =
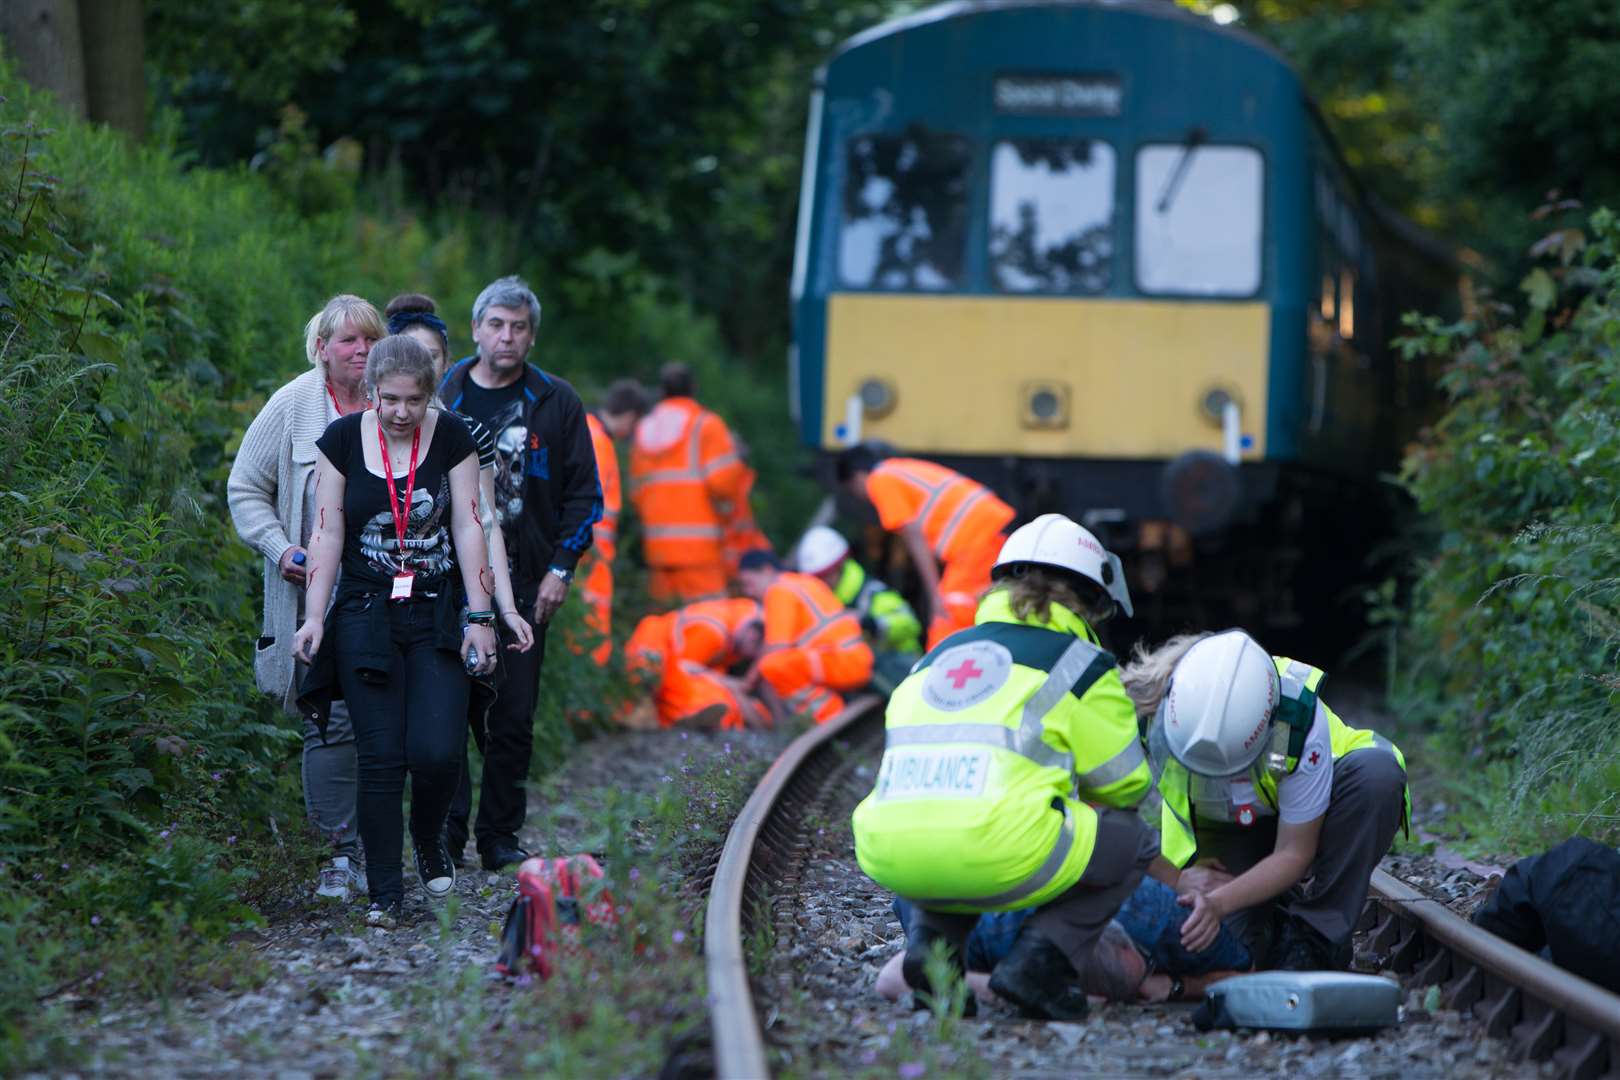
{"type": "Point", "coordinates": [1044, 404]}
{"type": "Point", "coordinates": [878, 398]}
{"type": "Point", "coordinates": [1212, 404]}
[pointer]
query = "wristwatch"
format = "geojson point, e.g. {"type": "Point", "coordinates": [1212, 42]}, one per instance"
{"type": "Point", "coordinates": [565, 576]}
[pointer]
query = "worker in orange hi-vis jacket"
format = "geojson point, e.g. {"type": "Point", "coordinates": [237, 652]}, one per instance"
{"type": "Point", "coordinates": [742, 535]}
{"type": "Point", "coordinates": [689, 485]}
{"type": "Point", "coordinates": [814, 649]}
{"type": "Point", "coordinates": [952, 527]}
{"type": "Point", "coordinates": [624, 404]}
{"type": "Point", "coordinates": [689, 652]}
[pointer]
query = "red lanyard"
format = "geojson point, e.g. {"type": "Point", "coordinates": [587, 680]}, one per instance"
{"type": "Point", "coordinates": [333, 395]}
{"type": "Point", "coordinates": [400, 512]}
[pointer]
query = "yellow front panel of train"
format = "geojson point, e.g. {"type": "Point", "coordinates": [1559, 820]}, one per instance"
{"type": "Point", "coordinates": [1128, 376]}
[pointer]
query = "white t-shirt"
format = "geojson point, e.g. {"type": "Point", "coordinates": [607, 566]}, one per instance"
{"type": "Point", "coordinates": [1302, 795]}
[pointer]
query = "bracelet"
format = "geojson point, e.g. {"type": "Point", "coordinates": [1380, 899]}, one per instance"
{"type": "Point", "coordinates": [477, 618]}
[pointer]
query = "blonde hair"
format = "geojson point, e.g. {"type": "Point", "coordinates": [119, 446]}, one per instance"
{"type": "Point", "coordinates": [400, 354]}
{"type": "Point", "coordinates": [344, 309]}
{"type": "Point", "coordinates": [1147, 676]}
{"type": "Point", "coordinates": [1032, 593]}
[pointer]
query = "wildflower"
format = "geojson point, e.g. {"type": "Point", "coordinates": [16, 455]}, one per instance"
{"type": "Point", "coordinates": [665, 778]}
{"type": "Point", "coordinates": [525, 980]}
{"type": "Point", "coordinates": [164, 835]}
{"type": "Point", "coordinates": [911, 1070]}
{"type": "Point", "coordinates": [67, 866]}
{"type": "Point", "coordinates": [217, 777]}
{"type": "Point", "coordinates": [95, 920]}
{"type": "Point", "coordinates": [635, 874]}
{"type": "Point", "coordinates": [230, 839]}
{"type": "Point", "coordinates": [868, 1057]}
{"type": "Point", "coordinates": [728, 748]}
{"type": "Point", "coordinates": [678, 936]}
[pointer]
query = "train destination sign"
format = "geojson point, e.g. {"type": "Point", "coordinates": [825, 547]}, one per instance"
{"type": "Point", "coordinates": [1093, 94]}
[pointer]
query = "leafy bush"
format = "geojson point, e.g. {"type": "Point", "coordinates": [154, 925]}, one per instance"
{"type": "Point", "coordinates": [1518, 608]}
{"type": "Point", "coordinates": [147, 309]}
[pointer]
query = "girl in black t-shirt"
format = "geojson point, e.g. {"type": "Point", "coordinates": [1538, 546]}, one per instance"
{"type": "Point", "coordinates": [397, 507]}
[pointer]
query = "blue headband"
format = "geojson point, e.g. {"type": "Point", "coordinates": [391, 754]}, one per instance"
{"type": "Point", "coordinates": [402, 320]}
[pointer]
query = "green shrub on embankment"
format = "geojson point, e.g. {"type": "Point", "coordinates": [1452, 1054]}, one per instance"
{"type": "Point", "coordinates": [1514, 630]}
{"type": "Point", "coordinates": [148, 796]}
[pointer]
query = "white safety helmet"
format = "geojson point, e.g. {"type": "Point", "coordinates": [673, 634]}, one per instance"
{"type": "Point", "coordinates": [1216, 714]}
{"type": "Point", "coordinates": [820, 550]}
{"type": "Point", "coordinates": [1054, 540]}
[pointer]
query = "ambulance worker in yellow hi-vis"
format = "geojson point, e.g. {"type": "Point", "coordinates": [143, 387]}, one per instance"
{"type": "Point", "coordinates": [1011, 762]}
{"type": "Point", "coordinates": [1260, 779]}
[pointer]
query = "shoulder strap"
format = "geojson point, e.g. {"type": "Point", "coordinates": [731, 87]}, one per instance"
{"type": "Point", "coordinates": [1301, 684]}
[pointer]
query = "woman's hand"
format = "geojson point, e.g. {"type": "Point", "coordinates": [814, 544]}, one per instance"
{"type": "Point", "coordinates": [294, 572]}
{"type": "Point", "coordinates": [307, 642]}
{"type": "Point", "coordinates": [518, 627]}
{"type": "Point", "coordinates": [1198, 932]}
{"type": "Point", "coordinates": [481, 637]}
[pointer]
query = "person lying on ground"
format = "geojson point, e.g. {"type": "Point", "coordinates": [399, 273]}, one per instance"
{"type": "Point", "coordinates": [685, 657]}
{"type": "Point", "coordinates": [1139, 958]}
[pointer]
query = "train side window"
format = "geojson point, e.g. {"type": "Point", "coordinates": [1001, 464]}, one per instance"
{"type": "Point", "coordinates": [1199, 219]}
{"type": "Point", "coordinates": [905, 204]}
{"type": "Point", "coordinates": [1052, 215]}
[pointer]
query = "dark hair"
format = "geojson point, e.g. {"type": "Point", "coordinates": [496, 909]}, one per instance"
{"type": "Point", "coordinates": [400, 355]}
{"type": "Point", "coordinates": [625, 396]}
{"type": "Point", "coordinates": [675, 379]}
{"type": "Point", "coordinates": [759, 559]}
{"type": "Point", "coordinates": [415, 309]}
{"type": "Point", "coordinates": [861, 458]}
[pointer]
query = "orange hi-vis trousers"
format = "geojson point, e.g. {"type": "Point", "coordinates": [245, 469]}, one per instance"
{"type": "Point", "coordinates": [685, 584]}
{"type": "Point", "coordinates": [692, 693]}
{"type": "Point", "coordinates": [685, 650]}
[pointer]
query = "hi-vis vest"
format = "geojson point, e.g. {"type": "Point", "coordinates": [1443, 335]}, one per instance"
{"type": "Point", "coordinates": [1296, 710]}
{"type": "Point", "coordinates": [992, 742]}
{"type": "Point", "coordinates": [894, 626]}
{"type": "Point", "coordinates": [685, 479]}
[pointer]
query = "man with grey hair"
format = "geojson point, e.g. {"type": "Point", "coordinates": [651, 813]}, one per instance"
{"type": "Point", "coordinates": [547, 498]}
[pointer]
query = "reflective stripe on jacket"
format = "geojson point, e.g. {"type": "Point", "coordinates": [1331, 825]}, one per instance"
{"type": "Point", "coordinates": [686, 480]}
{"type": "Point", "coordinates": [892, 623]}
{"type": "Point", "coordinates": [995, 745]}
{"type": "Point", "coordinates": [956, 513]}
{"type": "Point", "coordinates": [706, 632]}
{"type": "Point", "coordinates": [606, 532]}
{"type": "Point", "coordinates": [1301, 685]}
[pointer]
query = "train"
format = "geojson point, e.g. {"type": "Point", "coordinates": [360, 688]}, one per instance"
{"type": "Point", "coordinates": [1105, 256]}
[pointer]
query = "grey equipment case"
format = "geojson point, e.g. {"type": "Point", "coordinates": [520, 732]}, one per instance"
{"type": "Point", "coordinates": [1326, 1001]}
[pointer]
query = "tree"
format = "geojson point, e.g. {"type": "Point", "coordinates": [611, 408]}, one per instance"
{"type": "Point", "coordinates": [89, 53]}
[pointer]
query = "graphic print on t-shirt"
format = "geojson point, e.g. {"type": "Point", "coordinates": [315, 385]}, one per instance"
{"type": "Point", "coordinates": [511, 433]}
{"type": "Point", "coordinates": [427, 536]}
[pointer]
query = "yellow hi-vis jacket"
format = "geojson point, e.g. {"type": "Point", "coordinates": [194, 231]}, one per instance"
{"type": "Point", "coordinates": [1296, 711]}
{"type": "Point", "coordinates": [994, 745]}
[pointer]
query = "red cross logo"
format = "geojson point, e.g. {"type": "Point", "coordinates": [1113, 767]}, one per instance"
{"type": "Point", "coordinates": [964, 673]}
{"type": "Point", "coordinates": [1315, 757]}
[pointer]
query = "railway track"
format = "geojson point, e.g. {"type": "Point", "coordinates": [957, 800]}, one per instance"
{"type": "Point", "coordinates": [1542, 1013]}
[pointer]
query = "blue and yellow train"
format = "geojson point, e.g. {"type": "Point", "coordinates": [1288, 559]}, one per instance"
{"type": "Point", "coordinates": [1103, 255]}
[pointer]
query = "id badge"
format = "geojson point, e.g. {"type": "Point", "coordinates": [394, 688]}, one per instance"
{"type": "Point", "coordinates": [402, 586]}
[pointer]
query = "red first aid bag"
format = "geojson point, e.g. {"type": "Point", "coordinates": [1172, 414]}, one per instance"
{"type": "Point", "coordinates": [556, 897]}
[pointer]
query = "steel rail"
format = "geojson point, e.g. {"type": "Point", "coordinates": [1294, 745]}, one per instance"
{"type": "Point", "coordinates": [1544, 1011]}
{"type": "Point", "coordinates": [739, 1044]}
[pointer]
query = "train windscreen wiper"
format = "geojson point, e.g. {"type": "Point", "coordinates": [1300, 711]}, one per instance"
{"type": "Point", "coordinates": [1172, 187]}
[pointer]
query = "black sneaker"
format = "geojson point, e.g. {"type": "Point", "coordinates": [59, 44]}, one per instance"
{"type": "Point", "coordinates": [501, 854]}
{"type": "Point", "coordinates": [457, 846]}
{"type": "Point", "coordinates": [1301, 947]}
{"type": "Point", "coordinates": [1039, 980]}
{"type": "Point", "coordinates": [914, 967]}
{"type": "Point", "coordinates": [434, 868]}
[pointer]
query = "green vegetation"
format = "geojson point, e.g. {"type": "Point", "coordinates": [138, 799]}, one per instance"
{"type": "Point", "coordinates": [148, 800]}
{"type": "Point", "coordinates": [1516, 614]}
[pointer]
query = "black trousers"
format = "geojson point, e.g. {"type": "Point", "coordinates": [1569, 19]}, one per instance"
{"type": "Point", "coordinates": [507, 743]}
{"type": "Point", "coordinates": [414, 721]}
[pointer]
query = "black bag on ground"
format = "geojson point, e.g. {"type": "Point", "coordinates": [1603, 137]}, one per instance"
{"type": "Point", "coordinates": [1568, 901]}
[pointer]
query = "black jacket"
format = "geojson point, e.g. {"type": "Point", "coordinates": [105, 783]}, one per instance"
{"type": "Point", "coordinates": [562, 497]}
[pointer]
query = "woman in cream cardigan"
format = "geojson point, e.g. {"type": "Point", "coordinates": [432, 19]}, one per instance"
{"type": "Point", "coordinates": [272, 500]}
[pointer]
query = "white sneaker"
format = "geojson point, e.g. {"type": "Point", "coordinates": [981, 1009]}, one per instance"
{"type": "Point", "coordinates": [384, 918]}
{"type": "Point", "coordinates": [435, 870]}
{"type": "Point", "coordinates": [340, 880]}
